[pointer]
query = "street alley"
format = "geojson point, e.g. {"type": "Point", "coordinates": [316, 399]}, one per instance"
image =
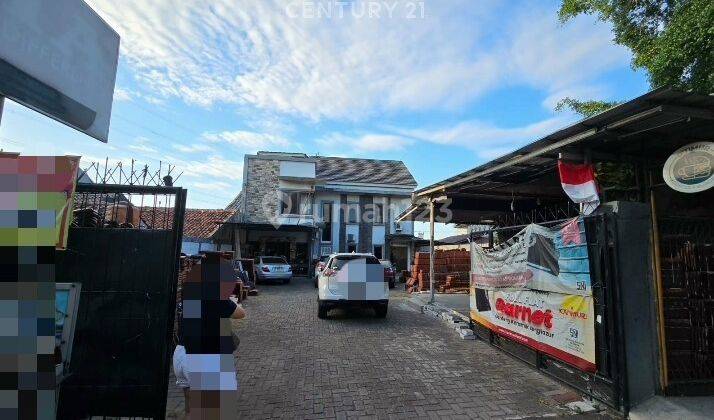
{"type": "Point", "coordinates": [293, 365]}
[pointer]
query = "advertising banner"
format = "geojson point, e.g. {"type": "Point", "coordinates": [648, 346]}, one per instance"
{"type": "Point", "coordinates": [535, 289]}
{"type": "Point", "coordinates": [538, 258]}
{"type": "Point", "coordinates": [559, 325]}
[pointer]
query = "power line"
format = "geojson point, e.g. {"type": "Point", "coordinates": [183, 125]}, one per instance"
{"type": "Point", "coordinates": [174, 123]}
{"type": "Point", "coordinates": [151, 130]}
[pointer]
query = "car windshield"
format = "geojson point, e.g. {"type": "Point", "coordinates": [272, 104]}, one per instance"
{"type": "Point", "coordinates": [386, 263]}
{"type": "Point", "coordinates": [340, 261]}
{"type": "Point", "coordinates": [274, 260]}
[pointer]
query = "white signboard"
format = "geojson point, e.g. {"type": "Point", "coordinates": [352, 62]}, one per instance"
{"type": "Point", "coordinates": [59, 58]}
{"type": "Point", "coordinates": [691, 168]}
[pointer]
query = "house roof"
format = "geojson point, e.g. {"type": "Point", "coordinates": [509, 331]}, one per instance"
{"type": "Point", "coordinates": [645, 130]}
{"type": "Point", "coordinates": [202, 223]}
{"type": "Point", "coordinates": [352, 170]}
{"type": "Point", "coordinates": [372, 171]}
{"type": "Point", "coordinates": [235, 204]}
{"type": "Point", "coordinates": [197, 223]}
{"type": "Point", "coordinates": [641, 126]}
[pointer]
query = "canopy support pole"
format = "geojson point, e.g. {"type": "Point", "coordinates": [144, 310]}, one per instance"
{"type": "Point", "coordinates": [431, 250]}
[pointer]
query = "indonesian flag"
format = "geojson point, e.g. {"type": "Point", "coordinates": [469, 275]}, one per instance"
{"type": "Point", "coordinates": [578, 181]}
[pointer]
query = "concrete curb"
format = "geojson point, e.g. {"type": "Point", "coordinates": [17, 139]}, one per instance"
{"type": "Point", "coordinates": [457, 321]}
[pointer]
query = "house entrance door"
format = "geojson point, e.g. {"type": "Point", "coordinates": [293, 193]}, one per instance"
{"type": "Point", "coordinates": [399, 258]}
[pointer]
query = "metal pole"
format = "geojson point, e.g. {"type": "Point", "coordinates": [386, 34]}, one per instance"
{"type": "Point", "coordinates": [431, 250]}
{"type": "Point", "coordinates": [659, 288]}
{"type": "Point", "coordinates": [2, 104]}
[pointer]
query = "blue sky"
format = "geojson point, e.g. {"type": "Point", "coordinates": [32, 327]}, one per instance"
{"type": "Point", "coordinates": [202, 83]}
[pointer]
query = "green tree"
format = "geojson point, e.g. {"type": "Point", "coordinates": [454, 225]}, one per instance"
{"type": "Point", "coordinates": [672, 40]}
{"type": "Point", "coordinates": [584, 108]}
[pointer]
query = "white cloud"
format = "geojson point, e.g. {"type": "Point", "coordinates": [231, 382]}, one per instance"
{"type": "Point", "coordinates": [121, 94]}
{"type": "Point", "coordinates": [486, 139]}
{"type": "Point", "coordinates": [214, 166]}
{"type": "Point", "coordinates": [143, 145]}
{"type": "Point", "coordinates": [367, 143]}
{"type": "Point", "coordinates": [249, 140]}
{"type": "Point", "coordinates": [254, 54]}
{"type": "Point", "coordinates": [193, 148]}
{"type": "Point", "coordinates": [583, 92]}
{"type": "Point", "coordinates": [213, 186]}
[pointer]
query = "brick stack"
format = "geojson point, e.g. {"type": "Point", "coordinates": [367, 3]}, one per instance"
{"type": "Point", "coordinates": [451, 271]}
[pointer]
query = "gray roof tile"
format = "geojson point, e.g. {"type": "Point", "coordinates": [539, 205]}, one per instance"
{"type": "Point", "coordinates": [375, 171]}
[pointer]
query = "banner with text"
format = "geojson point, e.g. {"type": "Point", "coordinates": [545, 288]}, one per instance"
{"type": "Point", "coordinates": [536, 258]}
{"type": "Point", "coordinates": [556, 324]}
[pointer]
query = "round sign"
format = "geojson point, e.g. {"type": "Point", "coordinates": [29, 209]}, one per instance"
{"type": "Point", "coordinates": [691, 168]}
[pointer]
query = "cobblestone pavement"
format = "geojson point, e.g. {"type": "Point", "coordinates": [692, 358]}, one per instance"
{"type": "Point", "coordinates": [293, 365]}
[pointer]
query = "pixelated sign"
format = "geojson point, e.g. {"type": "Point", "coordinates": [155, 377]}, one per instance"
{"type": "Point", "coordinates": [36, 199]}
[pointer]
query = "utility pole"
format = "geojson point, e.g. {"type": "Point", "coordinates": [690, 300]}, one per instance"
{"type": "Point", "coordinates": [431, 249]}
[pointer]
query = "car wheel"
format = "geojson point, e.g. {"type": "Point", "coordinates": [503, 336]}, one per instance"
{"type": "Point", "coordinates": [381, 311]}
{"type": "Point", "coordinates": [321, 310]}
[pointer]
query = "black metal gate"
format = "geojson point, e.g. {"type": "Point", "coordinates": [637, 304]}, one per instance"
{"type": "Point", "coordinates": [620, 270]}
{"type": "Point", "coordinates": [123, 247]}
{"type": "Point", "coordinates": [687, 266]}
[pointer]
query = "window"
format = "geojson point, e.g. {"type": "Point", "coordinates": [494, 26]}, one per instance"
{"type": "Point", "coordinates": [378, 213]}
{"type": "Point", "coordinates": [378, 251]}
{"type": "Point", "coordinates": [274, 260]}
{"type": "Point", "coordinates": [295, 203]}
{"type": "Point", "coordinates": [290, 203]}
{"type": "Point", "coordinates": [327, 218]}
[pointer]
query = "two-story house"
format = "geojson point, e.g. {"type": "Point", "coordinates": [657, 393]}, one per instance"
{"type": "Point", "coordinates": [302, 207]}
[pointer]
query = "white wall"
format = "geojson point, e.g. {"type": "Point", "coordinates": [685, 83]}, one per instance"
{"type": "Point", "coordinates": [189, 248]}
{"type": "Point", "coordinates": [353, 230]}
{"type": "Point", "coordinates": [297, 169]}
{"type": "Point", "coordinates": [193, 248]}
{"type": "Point", "coordinates": [398, 206]}
{"type": "Point", "coordinates": [378, 233]}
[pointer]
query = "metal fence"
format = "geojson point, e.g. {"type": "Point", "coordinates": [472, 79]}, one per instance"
{"type": "Point", "coordinates": [687, 254]}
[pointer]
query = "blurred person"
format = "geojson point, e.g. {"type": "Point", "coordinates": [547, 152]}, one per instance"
{"type": "Point", "coordinates": [206, 331]}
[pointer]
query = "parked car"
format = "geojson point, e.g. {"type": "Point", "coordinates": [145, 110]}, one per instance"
{"type": "Point", "coordinates": [390, 274]}
{"type": "Point", "coordinates": [273, 268]}
{"type": "Point", "coordinates": [350, 280]}
{"type": "Point", "coordinates": [319, 267]}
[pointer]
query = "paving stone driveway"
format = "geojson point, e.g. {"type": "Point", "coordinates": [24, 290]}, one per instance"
{"type": "Point", "coordinates": [292, 364]}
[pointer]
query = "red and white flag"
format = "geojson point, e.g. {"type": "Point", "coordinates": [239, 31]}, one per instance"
{"type": "Point", "coordinates": [578, 181]}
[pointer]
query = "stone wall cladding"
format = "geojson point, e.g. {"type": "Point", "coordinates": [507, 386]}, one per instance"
{"type": "Point", "coordinates": [261, 190]}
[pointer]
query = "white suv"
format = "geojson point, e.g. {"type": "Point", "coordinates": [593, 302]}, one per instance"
{"type": "Point", "coordinates": [352, 280]}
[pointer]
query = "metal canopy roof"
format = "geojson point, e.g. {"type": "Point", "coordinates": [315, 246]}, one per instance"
{"type": "Point", "coordinates": [647, 128]}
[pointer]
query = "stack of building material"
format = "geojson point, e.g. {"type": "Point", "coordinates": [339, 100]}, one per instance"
{"type": "Point", "coordinates": [451, 271]}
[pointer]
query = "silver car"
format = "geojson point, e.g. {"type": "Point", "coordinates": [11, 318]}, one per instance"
{"type": "Point", "coordinates": [273, 268]}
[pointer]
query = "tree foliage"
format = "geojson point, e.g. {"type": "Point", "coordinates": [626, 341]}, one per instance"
{"type": "Point", "coordinates": [584, 108]}
{"type": "Point", "coordinates": [673, 40]}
